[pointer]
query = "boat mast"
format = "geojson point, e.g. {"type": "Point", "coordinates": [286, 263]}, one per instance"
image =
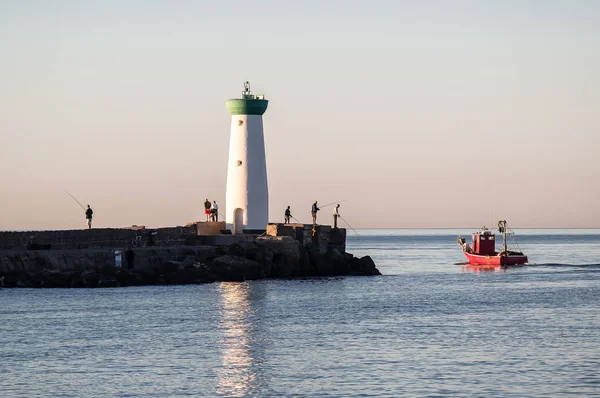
{"type": "Point", "coordinates": [502, 228]}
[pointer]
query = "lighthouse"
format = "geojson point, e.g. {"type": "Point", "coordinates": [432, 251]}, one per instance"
{"type": "Point", "coordinates": [247, 196]}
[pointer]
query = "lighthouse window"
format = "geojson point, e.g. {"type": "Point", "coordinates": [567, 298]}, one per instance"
{"type": "Point", "coordinates": [240, 122]}
{"type": "Point", "coordinates": [239, 162]}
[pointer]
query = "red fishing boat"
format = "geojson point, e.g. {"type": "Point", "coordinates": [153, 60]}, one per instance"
{"type": "Point", "coordinates": [483, 248]}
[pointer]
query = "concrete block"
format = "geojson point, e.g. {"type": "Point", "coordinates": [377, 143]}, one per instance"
{"type": "Point", "coordinates": [210, 228]}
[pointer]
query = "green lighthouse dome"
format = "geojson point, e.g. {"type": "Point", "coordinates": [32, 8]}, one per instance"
{"type": "Point", "coordinates": [249, 104]}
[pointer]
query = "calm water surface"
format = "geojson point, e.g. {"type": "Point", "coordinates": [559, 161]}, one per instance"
{"type": "Point", "coordinates": [428, 327]}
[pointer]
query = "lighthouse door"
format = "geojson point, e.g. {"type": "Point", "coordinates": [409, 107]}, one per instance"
{"type": "Point", "coordinates": [238, 221]}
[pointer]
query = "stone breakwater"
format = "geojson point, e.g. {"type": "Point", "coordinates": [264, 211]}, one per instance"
{"type": "Point", "coordinates": [261, 257]}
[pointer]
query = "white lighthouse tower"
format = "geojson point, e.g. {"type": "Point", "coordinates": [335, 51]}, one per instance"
{"type": "Point", "coordinates": [247, 197]}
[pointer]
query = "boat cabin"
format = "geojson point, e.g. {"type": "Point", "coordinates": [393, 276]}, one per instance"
{"type": "Point", "coordinates": [484, 243]}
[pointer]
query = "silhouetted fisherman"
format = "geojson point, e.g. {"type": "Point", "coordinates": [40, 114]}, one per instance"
{"type": "Point", "coordinates": [288, 215]}
{"type": "Point", "coordinates": [314, 211]}
{"type": "Point", "coordinates": [336, 214]}
{"type": "Point", "coordinates": [88, 217]}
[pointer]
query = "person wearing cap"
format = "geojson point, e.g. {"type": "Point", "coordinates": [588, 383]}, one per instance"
{"type": "Point", "coordinates": [336, 214]}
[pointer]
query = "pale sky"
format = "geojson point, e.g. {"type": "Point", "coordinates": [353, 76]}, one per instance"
{"type": "Point", "coordinates": [416, 113]}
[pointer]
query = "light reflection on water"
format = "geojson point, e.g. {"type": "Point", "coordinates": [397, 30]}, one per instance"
{"type": "Point", "coordinates": [482, 268]}
{"type": "Point", "coordinates": [428, 327]}
{"type": "Point", "coordinates": [237, 372]}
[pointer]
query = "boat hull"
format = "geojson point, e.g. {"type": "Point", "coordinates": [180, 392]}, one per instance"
{"type": "Point", "coordinates": [511, 259]}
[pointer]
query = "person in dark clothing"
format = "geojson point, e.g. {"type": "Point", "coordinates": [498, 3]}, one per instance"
{"type": "Point", "coordinates": [288, 215]}
{"type": "Point", "coordinates": [88, 217]}
{"type": "Point", "coordinates": [207, 206]}
{"type": "Point", "coordinates": [314, 211]}
{"type": "Point", "coordinates": [130, 257]}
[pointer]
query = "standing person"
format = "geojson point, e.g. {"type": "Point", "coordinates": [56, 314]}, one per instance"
{"type": "Point", "coordinates": [336, 214]}
{"type": "Point", "coordinates": [288, 215]}
{"type": "Point", "coordinates": [207, 209]}
{"type": "Point", "coordinates": [314, 211]}
{"type": "Point", "coordinates": [88, 217]}
{"type": "Point", "coordinates": [214, 210]}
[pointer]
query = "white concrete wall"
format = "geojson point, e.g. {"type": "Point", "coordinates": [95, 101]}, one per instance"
{"type": "Point", "coordinates": [247, 186]}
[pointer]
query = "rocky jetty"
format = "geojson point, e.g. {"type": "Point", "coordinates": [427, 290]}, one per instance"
{"type": "Point", "coordinates": [263, 257]}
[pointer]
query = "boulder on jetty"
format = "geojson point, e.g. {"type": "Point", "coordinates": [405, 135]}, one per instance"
{"type": "Point", "coordinates": [241, 260]}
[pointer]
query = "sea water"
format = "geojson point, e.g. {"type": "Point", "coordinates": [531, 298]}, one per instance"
{"type": "Point", "coordinates": [429, 326]}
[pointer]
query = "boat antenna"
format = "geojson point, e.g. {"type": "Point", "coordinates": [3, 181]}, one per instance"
{"type": "Point", "coordinates": [502, 229]}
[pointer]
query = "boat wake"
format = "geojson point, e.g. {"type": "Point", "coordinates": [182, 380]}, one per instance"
{"type": "Point", "coordinates": [564, 265]}
{"type": "Point", "coordinates": [554, 265]}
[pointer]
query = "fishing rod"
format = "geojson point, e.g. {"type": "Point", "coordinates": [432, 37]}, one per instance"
{"type": "Point", "coordinates": [349, 225]}
{"type": "Point", "coordinates": [332, 203]}
{"type": "Point", "coordinates": [220, 214]}
{"type": "Point", "coordinates": [75, 199]}
{"type": "Point", "coordinates": [293, 218]}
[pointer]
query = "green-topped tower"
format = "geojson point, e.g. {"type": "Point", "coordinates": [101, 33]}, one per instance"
{"type": "Point", "coordinates": [247, 196]}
